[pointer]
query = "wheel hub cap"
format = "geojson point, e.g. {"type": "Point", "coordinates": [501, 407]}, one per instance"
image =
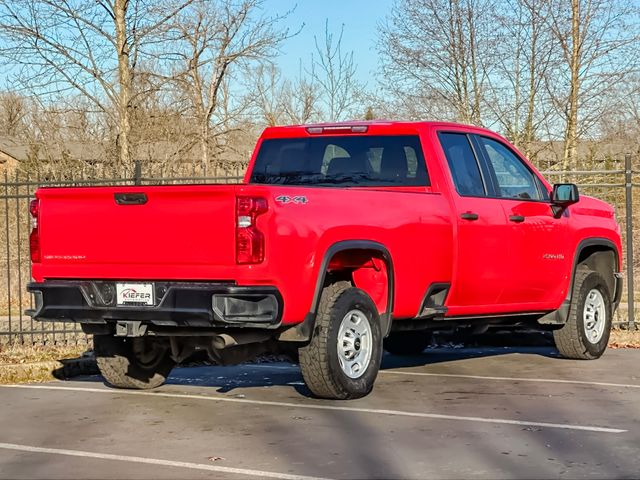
{"type": "Point", "coordinates": [354, 344]}
{"type": "Point", "coordinates": [594, 316]}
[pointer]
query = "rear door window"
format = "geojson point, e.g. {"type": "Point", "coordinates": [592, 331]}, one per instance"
{"type": "Point", "coordinates": [463, 164]}
{"type": "Point", "coordinates": [371, 160]}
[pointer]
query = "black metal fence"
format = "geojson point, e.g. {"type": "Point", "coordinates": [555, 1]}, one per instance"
{"type": "Point", "coordinates": [15, 226]}
{"type": "Point", "coordinates": [612, 181]}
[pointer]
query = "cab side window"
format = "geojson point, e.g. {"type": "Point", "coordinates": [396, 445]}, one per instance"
{"type": "Point", "coordinates": [463, 164]}
{"type": "Point", "coordinates": [514, 178]}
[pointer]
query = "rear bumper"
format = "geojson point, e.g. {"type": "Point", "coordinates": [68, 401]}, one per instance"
{"type": "Point", "coordinates": [177, 304]}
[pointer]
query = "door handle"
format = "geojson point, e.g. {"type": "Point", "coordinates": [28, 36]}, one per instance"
{"type": "Point", "coordinates": [130, 198]}
{"type": "Point", "coordinates": [516, 218]}
{"type": "Point", "coordinates": [469, 216]}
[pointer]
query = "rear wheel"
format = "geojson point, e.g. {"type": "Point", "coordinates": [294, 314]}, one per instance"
{"type": "Point", "coordinates": [343, 356]}
{"type": "Point", "coordinates": [138, 363]}
{"type": "Point", "coordinates": [407, 343]}
{"type": "Point", "coordinates": [586, 333]}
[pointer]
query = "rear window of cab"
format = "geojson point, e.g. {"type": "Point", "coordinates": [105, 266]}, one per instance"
{"type": "Point", "coordinates": [363, 160]}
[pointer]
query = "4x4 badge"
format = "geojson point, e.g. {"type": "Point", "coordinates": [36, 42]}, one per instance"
{"type": "Point", "coordinates": [284, 199]}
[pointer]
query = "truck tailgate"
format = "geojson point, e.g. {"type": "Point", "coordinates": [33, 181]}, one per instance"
{"type": "Point", "coordinates": [136, 231]}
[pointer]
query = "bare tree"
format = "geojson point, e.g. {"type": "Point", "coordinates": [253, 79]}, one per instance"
{"type": "Point", "coordinates": [267, 85]}
{"type": "Point", "coordinates": [280, 100]}
{"type": "Point", "coordinates": [12, 113]}
{"type": "Point", "coordinates": [207, 40]}
{"type": "Point", "coordinates": [622, 121]}
{"type": "Point", "coordinates": [300, 98]}
{"type": "Point", "coordinates": [525, 51]}
{"type": "Point", "coordinates": [598, 43]}
{"type": "Point", "coordinates": [87, 48]}
{"type": "Point", "coordinates": [334, 71]}
{"type": "Point", "coordinates": [437, 50]}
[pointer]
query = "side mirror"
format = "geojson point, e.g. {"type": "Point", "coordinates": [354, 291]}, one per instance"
{"type": "Point", "coordinates": [564, 194]}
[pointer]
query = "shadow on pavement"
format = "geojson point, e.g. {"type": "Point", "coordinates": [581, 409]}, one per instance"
{"type": "Point", "coordinates": [434, 356]}
{"type": "Point", "coordinates": [226, 379]}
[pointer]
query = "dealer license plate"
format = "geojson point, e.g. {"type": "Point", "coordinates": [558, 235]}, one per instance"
{"type": "Point", "coordinates": [134, 294]}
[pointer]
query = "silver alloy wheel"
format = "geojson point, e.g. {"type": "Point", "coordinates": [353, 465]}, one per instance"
{"type": "Point", "coordinates": [594, 315]}
{"type": "Point", "coordinates": [355, 344]}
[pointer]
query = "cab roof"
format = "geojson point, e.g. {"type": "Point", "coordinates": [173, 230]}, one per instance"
{"type": "Point", "coordinates": [368, 127]}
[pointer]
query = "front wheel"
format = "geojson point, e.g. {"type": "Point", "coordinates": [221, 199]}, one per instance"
{"type": "Point", "coordinates": [343, 357]}
{"type": "Point", "coordinates": [586, 333]}
{"type": "Point", "coordinates": [139, 363]}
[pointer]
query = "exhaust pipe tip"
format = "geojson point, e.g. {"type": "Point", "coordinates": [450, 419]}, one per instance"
{"type": "Point", "coordinates": [223, 341]}
{"type": "Point", "coordinates": [226, 340]}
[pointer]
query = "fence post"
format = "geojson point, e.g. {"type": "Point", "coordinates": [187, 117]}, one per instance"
{"type": "Point", "coordinates": [8, 246]}
{"type": "Point", "coordinates": [137, 173]}
{"type": "Point", "coordinates": [628, 195]}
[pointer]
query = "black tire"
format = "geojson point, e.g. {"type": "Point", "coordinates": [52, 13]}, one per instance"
{"type": "Point", "coordinates": [319, 359]}
{"type": "Point", "coordinates": [407, 343]}
{"type": "Point", "coordinates": [137, 363]}
{"type": "Point", "coordinates": [572, 340]}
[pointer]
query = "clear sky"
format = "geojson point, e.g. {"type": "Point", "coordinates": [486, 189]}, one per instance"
{"type": "Point", "coordinates": [360, 19]}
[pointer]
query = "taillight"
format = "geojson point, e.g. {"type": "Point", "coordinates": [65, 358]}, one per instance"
{"type": "Point", "coordinates": [249, 239]}
{"type": "Point", "coordinates": [34, 238]}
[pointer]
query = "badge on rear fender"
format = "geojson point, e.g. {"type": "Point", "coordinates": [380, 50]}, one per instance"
{"type": "Point", "coordinates": [284, 199]}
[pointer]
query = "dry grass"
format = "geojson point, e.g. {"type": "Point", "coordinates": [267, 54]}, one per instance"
{"type": "Point", "coordinates": [28, 372]}
{"type": "Point", "coordinates": [19, 364]}
{"type": "Point", "coordinates": [624, 339]}
{"type": "Point", "coordinates": [21, 354]}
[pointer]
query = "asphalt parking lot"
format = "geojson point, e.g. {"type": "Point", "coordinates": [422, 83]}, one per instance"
{"type": "Point", "coordinates": [464, 413]}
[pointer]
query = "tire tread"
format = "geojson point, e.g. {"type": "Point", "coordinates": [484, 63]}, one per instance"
{"type": "Point", "coordinates": [568, 339]}
{"type": "Point", "coordinates": [314, 361]}
{"type": "Point", "coordinates": [115, 365]}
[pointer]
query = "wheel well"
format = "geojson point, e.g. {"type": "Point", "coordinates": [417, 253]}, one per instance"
{"type": "Point", "coordinates": [368, 266]}
{"type": "Point", "coordinates": [601, 259]}
{"type": "Point", "coordinates": [599, 255]}
{"type": "Point", "coordinates": [366, 269]}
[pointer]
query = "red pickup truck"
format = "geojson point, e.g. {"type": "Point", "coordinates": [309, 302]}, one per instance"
{"type": "Point", "coordinates": [343, 240]}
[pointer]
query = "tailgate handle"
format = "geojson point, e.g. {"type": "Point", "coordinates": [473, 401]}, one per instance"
{"type": "Point", "coordinates": [130, 198]}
